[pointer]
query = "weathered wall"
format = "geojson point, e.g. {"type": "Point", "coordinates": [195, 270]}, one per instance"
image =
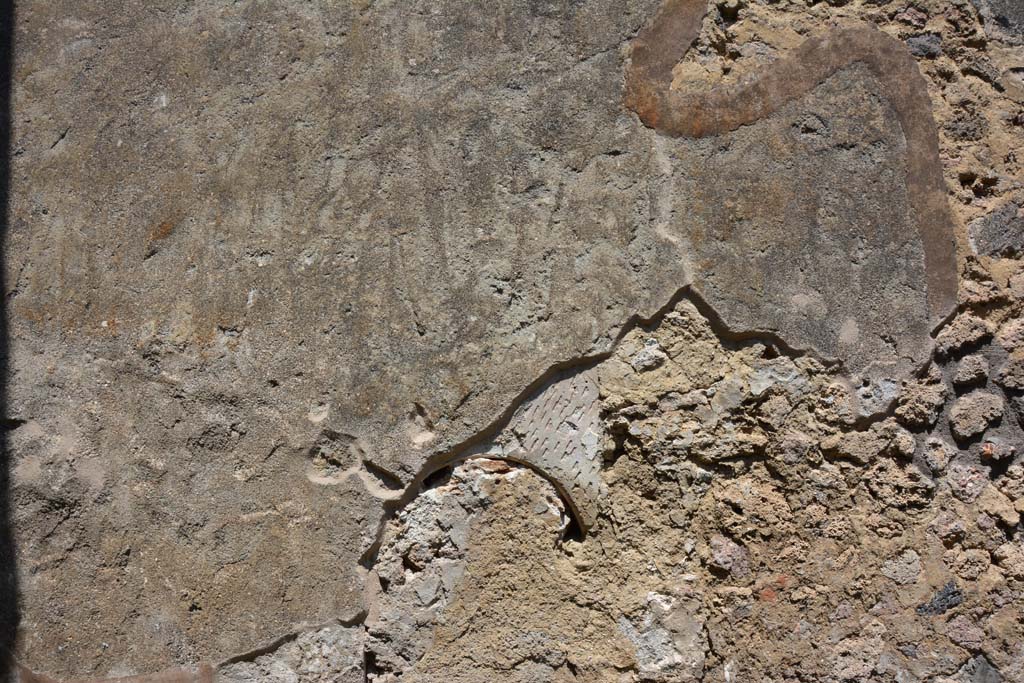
{"type": "Point", "coordinates": [273, 268]}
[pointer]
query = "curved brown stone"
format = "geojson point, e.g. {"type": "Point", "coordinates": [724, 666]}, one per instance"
{"type": "Point", "coordinates": [664, 43]}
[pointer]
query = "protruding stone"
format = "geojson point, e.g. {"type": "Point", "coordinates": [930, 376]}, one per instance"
{"type": "Point", "coordinates": [920, 404]}
{"type": "Point", "coordinates": [1011, 335]}
{"type": "Point", "coordinates": [903, 569]}
{"type": "Point", "coordinates": [1000, 233]}
{"type": "Point", "coordinates": [883, 438]}
{"type": "Point", "coordinates": [1011, 374]}
{"type": "Point", "coordinates": [996, 450]}
{"type": "Point", "coordinates": [972, 414]}
{"type": "Point", "coordinates": [965, 330]}
{"type": "Point", "coordinates": [945, 599]}
{"type": "Point", "coordinates": [966, 481]}
{"type": "Point", "coordinates": [927, 45]}
{"type": "Point", "coordinates": [1017, 404]}
{"type": "Point", "coordinates": [729, 557]}
{"type": "Point", "coordinates": [979, 670]}
{"type": "Point", "coordinates": [648, 357]}
{"type": "Point", "coordinates": [972, 369]}
{"type": "Point", "coordinates": [1012, 483]}
{"type": "Point", "coordinates": [937, 454]}
{"type": "Point", "coordinates": [1004, 19]}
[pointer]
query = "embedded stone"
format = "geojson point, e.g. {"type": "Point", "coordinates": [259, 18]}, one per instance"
{"type": "Point", "coordinates": [945, 599]}
{"type": "Point", "coordinates": [1011, 374]}
{"type": "Point", "coordinates": [648, 357]}
{"type": "Point", "coordinates": [937, 454]}
{"type": "Point", "coordinates": [965, 632]}
{"type": "Point", "coordinates": [329, 655]}
{"type": "Point", "coordinates": [920, 404]}
{"type": "Point", "coordinates": [949, 528]}
{"type": "Point", "coordinates": [1010, 558]}
{"type": "Point", "coordinates": [970, 370]}
{"type": "Point", "coordinates": [928, 45]}
{"type": "Point", "coordinates": [1001, 233]}
{"type": "Point", "coordinates": [998, 506]}
{"type": "Point", "coordinates": [1003, 19]}
{"type": "Point", "coordinates": [903, 569]}
{"type": "Point", "coordinates": [972, 414]}
{"type": "Point", "coordinates": [730, 557]}
{"type": "Point", "coordinates": [883, 438]}
{"type": "Point", "coordinates": [966, 481]}
{"type": "Point", "coordinates": [965, 330]}
{"type": "Point", "coordinates": [971, 563]}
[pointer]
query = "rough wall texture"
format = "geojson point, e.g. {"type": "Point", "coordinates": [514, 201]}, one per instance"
{"type": "Point", "coordinates": [753, 529]}
{"type": "Point", "coordinates": [335, 325]}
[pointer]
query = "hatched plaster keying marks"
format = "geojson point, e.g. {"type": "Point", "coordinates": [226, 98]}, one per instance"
{"type": "Point", "coordinates": [558, 432]}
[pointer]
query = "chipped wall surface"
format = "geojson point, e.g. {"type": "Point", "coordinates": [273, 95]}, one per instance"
{"type": "Point", "coordinates": [656, 340]}
{"type": "Point", "coordinates": [751, 519]}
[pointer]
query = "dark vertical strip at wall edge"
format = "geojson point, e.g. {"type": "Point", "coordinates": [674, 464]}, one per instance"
{"type": "Point", "coordinates": [8, 569]}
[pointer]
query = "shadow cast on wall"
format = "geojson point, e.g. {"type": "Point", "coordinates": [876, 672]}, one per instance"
{"type": "Point", "coordinates": [8, 572]}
